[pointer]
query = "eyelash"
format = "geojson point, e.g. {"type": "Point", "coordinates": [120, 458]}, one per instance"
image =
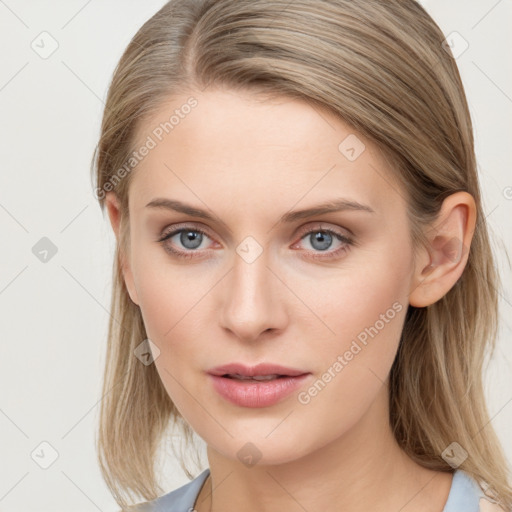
{"type": "Point", "coordinates": [347, 242]}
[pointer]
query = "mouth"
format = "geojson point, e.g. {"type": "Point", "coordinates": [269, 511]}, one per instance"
{"type": "Point", "coordinates": [257, 390]}
{"type": "Point", "coordinates": [261, 372]}
{"type": "Point", "coordinates": [237, 376]}
{"type": "Point", "coordinates": [261, 385]}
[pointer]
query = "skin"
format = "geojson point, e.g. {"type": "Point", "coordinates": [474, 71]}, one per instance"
{"type": "Point", "coordinates": [249, 161]}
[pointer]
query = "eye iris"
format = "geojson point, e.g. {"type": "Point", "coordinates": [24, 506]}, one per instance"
{"type": "Point", "coordinates": [323, 237]}
{"type": "Point", "coordinates": [191, 236]}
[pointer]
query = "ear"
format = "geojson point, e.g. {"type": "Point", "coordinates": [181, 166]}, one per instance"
{"type": "Point", "coordinates": [440, 265]}
{"type": "Point", "coordinates": [114, 213]}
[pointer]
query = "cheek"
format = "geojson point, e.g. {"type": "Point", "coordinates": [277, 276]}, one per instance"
{"type": "Point", "coordinates": [362, 309]}
{"type": "Point", "coordinates": [175, 306]}
{"type": "Point", "coordinates": [170, 303]}
{"type": "Point", "coordinates": [354, 295]}
{"type": "Point", "coordinates": [166, 292]}
{"type": "Point", "coordinates": [366, 311]}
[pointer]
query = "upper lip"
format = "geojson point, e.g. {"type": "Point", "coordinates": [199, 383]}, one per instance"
{"type": "Point", "coordinates": [261, 369]}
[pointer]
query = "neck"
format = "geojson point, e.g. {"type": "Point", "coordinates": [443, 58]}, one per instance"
{"type": "Point", "coordinates": [364, 469]}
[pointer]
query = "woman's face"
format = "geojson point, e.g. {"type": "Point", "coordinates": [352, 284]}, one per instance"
{"type": "Point", "coordinates": [323, 293]}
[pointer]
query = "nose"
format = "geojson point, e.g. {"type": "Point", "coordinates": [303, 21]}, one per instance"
{"type": "Point", "coordinates": [253, 299]}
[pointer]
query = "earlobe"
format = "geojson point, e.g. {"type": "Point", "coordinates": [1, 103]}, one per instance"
{"type": "Point", "coordinates": [441, 264]}
{"type": "Point", "coordinates": [114, 213]}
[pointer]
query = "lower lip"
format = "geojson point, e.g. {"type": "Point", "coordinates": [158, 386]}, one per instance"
{"type": "Point", "coordinates": [252, 393]}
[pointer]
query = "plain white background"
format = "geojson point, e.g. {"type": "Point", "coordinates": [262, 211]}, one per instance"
{"type": "Point", "coordinates": [54, 315]}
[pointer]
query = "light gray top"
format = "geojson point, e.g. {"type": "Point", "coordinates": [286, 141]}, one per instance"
{"type": "Point", "coordinates": [464, 496]}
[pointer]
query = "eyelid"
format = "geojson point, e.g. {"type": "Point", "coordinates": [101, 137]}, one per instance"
{"type": "Point", "coordinates": [319, 225]}
{"type": "Point", "coordinates": [174, 228]}
{"type": "Point", "coordinates": [325, 226]}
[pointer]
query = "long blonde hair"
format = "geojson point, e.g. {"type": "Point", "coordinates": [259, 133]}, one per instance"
{"type": "Point", "coordinates": [382, 68]}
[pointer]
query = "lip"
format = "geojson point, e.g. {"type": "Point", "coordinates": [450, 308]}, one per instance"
{"type": "Point", "coordinates": [252, 393]}
{"type": "Point", "coordinates": [259, 369]}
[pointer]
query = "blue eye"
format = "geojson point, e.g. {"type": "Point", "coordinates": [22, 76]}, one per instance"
{"type": "Point", "coordinates": [191, 239]}
{"type": "Point", "coordinates": [322, 239]}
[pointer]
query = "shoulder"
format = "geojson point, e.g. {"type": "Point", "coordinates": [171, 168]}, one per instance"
{"type": "Point", "coordinates": [466, 494]}
{"type": "Point", "coordinates": [179, 500]}
{"type": "Point", "coordinates": [488, 506]}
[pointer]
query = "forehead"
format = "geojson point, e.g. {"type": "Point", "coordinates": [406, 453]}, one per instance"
{"type": "Point", "coordinates": [238, 146]}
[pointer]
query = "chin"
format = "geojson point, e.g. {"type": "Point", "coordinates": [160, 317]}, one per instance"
{"type": "Point", "coordinates": [258, 451]}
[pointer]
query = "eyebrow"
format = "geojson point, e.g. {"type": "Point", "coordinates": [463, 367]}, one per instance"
{"type": "Point", "coordinates": [335, 205]}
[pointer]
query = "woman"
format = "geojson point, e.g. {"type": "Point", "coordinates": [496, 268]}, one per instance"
{"type": "Point", "coordinates": [303, 273]}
